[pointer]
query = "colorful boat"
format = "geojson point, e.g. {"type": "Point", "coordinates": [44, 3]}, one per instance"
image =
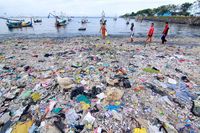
{"type": "Point", "coordinates": [18, 24]}
{"type": "Point", "coordinates": [59, 21]}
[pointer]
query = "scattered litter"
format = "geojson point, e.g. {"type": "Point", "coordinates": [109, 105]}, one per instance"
{"type": "Point", "coordinates": [85, 85]}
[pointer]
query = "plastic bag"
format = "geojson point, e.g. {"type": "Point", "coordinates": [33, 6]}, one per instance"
{"type": "Point", "coordinates": [106, 34]}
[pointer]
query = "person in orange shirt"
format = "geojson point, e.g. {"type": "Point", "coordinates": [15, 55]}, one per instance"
{"type": "Point", "coordinates": [103, 30]}
{"type": "Point", "coordinates": [150, 33]}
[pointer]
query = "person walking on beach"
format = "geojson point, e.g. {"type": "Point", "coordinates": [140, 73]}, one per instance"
{"type": "Point", "coordinates": [165, 32]}
{"type": "Point", "coordinates": [103, 31]}
{"type": "Point", "coordinates": [150, 33]}
{"type": "Point", "coordinates": [132, 31]}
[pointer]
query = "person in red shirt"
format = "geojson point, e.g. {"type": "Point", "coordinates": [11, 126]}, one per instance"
{"type": "Point", "coordinates": [150, 33]}
{"type": "Point", "coordinates": [103, 30]}
{"type": "Point", "coordinates": [165, 32]}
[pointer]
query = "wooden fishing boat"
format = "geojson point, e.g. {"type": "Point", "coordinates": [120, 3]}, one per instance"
{"type": "Point", "coordinates": [69, 19]}
{"type": "Point", "coordinates": [82, 29]}
{"type": "Point", "coordinates": [15, 23]}
{"type": "Point", "coordinates": [38, 21]}
{"type": "Point", "coordinates": [18, 24]}
{"type": "Point", "coordinates": [102, 20]}
{"type": "Point", "coordinates": [59, 21]}
{"type": "Point", "coordinates": [127, 21]}
{"type": "Point", "coordinates": [84, 21]}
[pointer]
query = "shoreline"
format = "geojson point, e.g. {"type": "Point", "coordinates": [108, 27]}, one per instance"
{"type": "Point", "coordinates": [55, 36]}
{"type": "Point", "coordinates": [193, 21]}
{"type": "Point", "coordinates": [186, 20]}
{"type": "Point", "coordinates": [172, 41]}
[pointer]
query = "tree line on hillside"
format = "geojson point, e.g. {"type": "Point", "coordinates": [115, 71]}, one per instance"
{"type": "Point", "coordinates": [174, 10]}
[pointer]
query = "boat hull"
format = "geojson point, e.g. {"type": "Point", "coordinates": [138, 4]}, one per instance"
{"type": "Point", "coordinates": [61, 23]}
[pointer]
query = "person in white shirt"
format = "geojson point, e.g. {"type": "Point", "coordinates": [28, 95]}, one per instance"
{"type": "Point", "coordinates": [132, 31]}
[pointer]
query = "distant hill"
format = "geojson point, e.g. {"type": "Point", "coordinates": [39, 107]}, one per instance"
{"type": "Point", "coordinates": [185, 9]}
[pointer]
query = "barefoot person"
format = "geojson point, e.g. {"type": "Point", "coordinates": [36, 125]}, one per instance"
{"type": "Point", "coordinates": [150, 33]}
{"type": "Point", "coordinates": [132, 31]}
{"type": "Point", "coordinates": [165, 32]}
{"type": "Point", "coordinates": [103, 30]}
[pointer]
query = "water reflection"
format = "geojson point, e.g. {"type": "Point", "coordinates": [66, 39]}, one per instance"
{"type": "Point", "coordinates": [21, 29]}
{"type": "Point", "coordinates": [60, 28]}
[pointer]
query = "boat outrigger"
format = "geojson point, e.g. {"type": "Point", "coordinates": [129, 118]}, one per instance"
{"type": "Point", "coordinates": [59, 21]}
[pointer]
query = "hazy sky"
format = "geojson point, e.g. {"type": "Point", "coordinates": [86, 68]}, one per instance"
{"type": "Point", "coordinates": [79, 7]}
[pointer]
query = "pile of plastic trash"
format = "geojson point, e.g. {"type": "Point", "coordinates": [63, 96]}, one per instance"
{"type": "Point", "coordinates": [82, 85]}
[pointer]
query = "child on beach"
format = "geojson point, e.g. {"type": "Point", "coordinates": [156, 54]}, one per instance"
{"type": "Point", "coordinates": [103, 30]}
{"type": "Point", "coordinates": [165, 32]}
{"type": "Point", "coordinates": [150, 33]}
{"type": "Point", "coordinates": [132, 31]}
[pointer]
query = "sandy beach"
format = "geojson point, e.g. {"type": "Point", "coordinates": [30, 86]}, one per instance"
{"type": "Point", "coordinates": [35, 64]}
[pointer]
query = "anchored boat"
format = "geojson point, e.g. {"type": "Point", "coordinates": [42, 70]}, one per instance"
{"type": "Point", "coordinates": [84, 20]}
{"type": "Point", "coordinates": [14, 23]}
{"type": "Point", "coordinates": [59, 21]}
{"type": "Point", "coordinates": [38, 21]}
{"type": "Point", "coordinates": [82, 29]}
{"type": "Point", "coordinates": [115, 18]}
{"type": "Point", "coordinates": [127, 21]}
{"type": "Point", "coordinates": [18, 24]}
{"type": "Point", "coordinates": [102, 20]}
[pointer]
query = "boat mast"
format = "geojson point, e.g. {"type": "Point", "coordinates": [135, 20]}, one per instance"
{"type": "Point", "coordinates": [103, 16]}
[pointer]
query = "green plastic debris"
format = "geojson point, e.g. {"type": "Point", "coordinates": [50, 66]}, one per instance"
{"type": "Point", "coordinates": [106, 65]}
{"type": "Point", "coordinates": [150, 70]}
{"type": "Point", "coordinates": [83, 98]}
{"type": "Point", "coordinates": [26, 94]}
{"type": "Point", "coordinates": [56, 110]}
